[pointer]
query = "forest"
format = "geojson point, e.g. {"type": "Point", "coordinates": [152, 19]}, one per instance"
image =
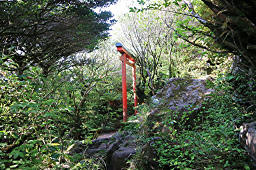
{"type": "Point", "coordinates": [61, 103]}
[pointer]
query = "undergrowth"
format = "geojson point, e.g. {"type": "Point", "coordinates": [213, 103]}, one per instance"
{"type": "Point", "coordinates": [209, 140]}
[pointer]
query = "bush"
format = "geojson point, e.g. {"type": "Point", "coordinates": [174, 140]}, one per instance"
{"type": "Point", "coordinates": [209, 141]}
{"type": "Point", "coordinates": [42, 116]}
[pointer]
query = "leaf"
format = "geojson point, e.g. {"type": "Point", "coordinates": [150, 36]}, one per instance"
{"type": "Point", "coordinates": [246, 167]}
{"type": "Point", "coordinates": [49, 102]}
{"type": "Point", "coordinates": [14, 166]}
{"type": "Point", "coordinates": [54, 144]}
{"type": "Point", "coordinates": [16, 154]}
{"type": "Point", "coordinates": [176, 3]}
{"type": "Point", "coordinates": [230, 77]}
{"type": "Point", "coordinates": [4, 132]}
{"type": "Point", "coordinates": [50, 114]}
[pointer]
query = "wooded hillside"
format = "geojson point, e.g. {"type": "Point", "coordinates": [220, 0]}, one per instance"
{"type": "Point", "coordinates": [61, 84]}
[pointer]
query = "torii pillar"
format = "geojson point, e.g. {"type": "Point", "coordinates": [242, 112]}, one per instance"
{"type": "Point", "coordinates": [127, 58]}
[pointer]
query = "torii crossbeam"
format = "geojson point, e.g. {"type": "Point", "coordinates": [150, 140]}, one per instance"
{"type": "Point", "coordinates": [127, 58]}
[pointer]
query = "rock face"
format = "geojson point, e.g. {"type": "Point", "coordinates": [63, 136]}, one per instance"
{"type": "Point", "coordinates": [247, 138]}
{"type": "Point", "coordinates": [115, 150]}
{"type": "Point", "coordinates": [182, 94]}
{"type": "Point", "coordinates": [177, 97]}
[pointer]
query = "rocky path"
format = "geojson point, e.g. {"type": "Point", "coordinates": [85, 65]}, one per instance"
{"type": "Point", "coordinates": [106, 135]}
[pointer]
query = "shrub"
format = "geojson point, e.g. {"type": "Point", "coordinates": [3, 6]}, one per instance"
{"type": "Point", "coordinates": [209, 141]}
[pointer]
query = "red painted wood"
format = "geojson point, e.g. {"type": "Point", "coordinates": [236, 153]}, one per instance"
{"type": "Point", "coordinates": [128, 59]}
{"type": "Point", "coordinates": [124, 88]}
{"type": "Point", "coordinates": [123, 50]}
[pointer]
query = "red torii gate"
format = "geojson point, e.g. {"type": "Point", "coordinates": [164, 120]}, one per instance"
{"type": "Point", "coordinates": [127, 58]}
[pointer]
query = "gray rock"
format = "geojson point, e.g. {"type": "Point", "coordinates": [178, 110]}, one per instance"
{"type": "Point", "coordinates": [120, 157]}
{"type": "Point", "coordinates": [183, 94]}
{"type": "Point", "coordinates": [172, 80]}
{"type": "Point", "coordinates": [247, 138]}
{"type": "Point", "coordinates": [115, 150]}
{"type": "Point", "coordinates": [156, 101]}
{"type": "Point", "coordinates": [173, 108]}
{"type": "Point", "coordinates": [169, 92]}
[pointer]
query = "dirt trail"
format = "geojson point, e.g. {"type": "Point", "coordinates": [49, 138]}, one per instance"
{"type": "Point", "coordinates": [106, 135]}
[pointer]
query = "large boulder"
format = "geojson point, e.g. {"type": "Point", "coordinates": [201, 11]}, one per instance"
{"type": "Point", "coordinates": [247, 138]}
{"type": "Point", "coordinates": [180, 100]}
{"type": "Point", "coordinates": [182, 94]}
{"type": "Point", "coordinates": [115, 150]}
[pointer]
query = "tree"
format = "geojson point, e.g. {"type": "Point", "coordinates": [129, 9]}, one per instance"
{"type": "Point", "coordinates": [147, 37]}
{"type": "Point", "coordinates": [232, 25]}
{"type": "Point", "coordinates": [42, 116]}
{"type": "Point", "coordinates": [39, 33]}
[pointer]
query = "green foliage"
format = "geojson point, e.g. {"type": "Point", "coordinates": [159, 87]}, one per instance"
{"type": "Point", "coordinates": [135, 122]}
{"type": "Point", "coordinates": [42, 116]}
{"type": "Point", "coordinates": [215, 32]}
{"type": "Point", "coordinates": [40, 33]}
{"type": "Point", "coordinates": [244, 89]}
{"type": "Point", "coordinates": [166, 39]}
{"type": "Point", "coordinates": [207, 140]}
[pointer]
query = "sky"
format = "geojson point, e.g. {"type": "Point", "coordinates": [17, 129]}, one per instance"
{"type": "Point", "coordinates": [119, 9]}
